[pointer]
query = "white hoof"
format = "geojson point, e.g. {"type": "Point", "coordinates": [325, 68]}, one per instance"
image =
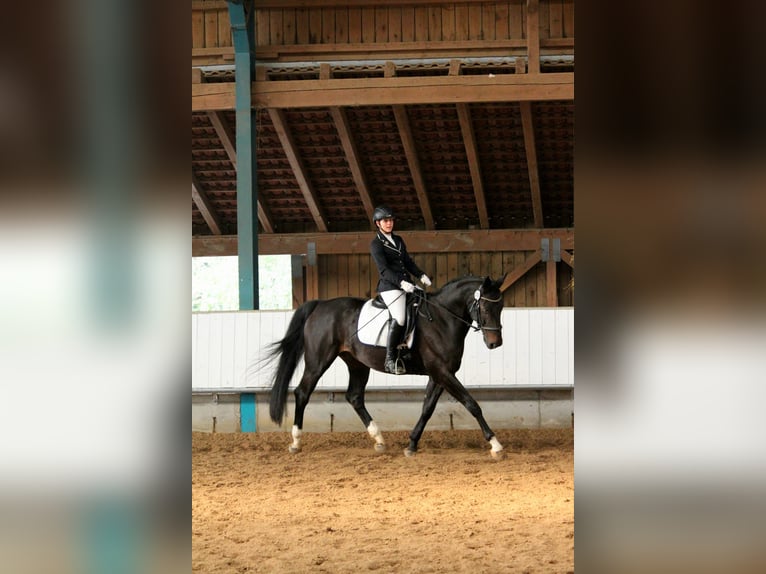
{"type": "Point", "coordinates": [380, 447]}
{"type": "Point", "coordinates": [497, 454]}
{"type": "Point", "coordinates": [294, 449]}
{"type": "Point", "coordinates": [408, 452]}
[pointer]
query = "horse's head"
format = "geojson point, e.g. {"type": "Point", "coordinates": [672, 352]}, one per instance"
{"type": "Point", "coordinates": [488, 304]}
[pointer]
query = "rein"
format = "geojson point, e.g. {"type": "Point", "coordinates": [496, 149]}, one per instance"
{"type": "Point", "coordinates": [473, 306]}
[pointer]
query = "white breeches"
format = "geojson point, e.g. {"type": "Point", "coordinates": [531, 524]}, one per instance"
{"type": "Point", "coordinates": [395, 301]}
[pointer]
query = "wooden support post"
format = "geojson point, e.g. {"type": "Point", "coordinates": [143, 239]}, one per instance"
{"type": "Point", "coordinates": [551, 292]}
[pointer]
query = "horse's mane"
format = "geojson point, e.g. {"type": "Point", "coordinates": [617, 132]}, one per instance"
{"type": "Point", "coordinates": [449, 285]}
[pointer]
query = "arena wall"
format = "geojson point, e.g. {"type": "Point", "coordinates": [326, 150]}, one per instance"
{"type": "Point", "coordinates": [526, 383]}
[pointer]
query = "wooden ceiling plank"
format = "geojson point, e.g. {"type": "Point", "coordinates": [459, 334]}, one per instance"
{"type": "Point", "coordinates": [532, 165]}
{"type": "Point", "coordinates": [205, 207]}
{"type": "Point", "coordinates": [263, 4]}
{"type": "Point", "coordinates": [533, 36]}
{"type": "Point", "coordinates": [352, 157]}
{"type": "Point", "coordinates": [390, 91]}
{"type": "Point", "coordinates": [446, 241]}
{"type": "Point", "coordinates": [403, 50]}
{"type": "Point", "coordinates": [226, 136]}
{"type": "Point", "coordinates": [291, 151]}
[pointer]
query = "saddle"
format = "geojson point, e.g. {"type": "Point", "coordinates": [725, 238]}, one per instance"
{"type": "Point", "coordinates": [372, 328]}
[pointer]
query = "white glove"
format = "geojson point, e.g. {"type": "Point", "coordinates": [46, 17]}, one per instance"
{"type": "Point", "coordinates": [425, 280]}
{"type": "Point", "coordinates": [407, 286]}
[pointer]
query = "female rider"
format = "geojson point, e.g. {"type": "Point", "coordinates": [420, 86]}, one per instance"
{"type": "Point", "coordinates": [395, 265]}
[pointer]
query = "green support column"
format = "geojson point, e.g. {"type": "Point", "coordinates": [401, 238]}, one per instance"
{"type": "Point", "coordinates": [243, 35]}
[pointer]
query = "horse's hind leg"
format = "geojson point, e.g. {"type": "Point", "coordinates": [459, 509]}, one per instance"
{"type": "Point", "coordinates": [358, 375]}
{"type": "Point", "coordinates": [313, 371]}
{"type": "Point", "coordinates": [433, 392]}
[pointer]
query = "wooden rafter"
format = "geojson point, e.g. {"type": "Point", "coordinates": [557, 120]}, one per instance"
{"type": "Point", "coordinates": [224, 133]}
{"type": "Point", "coordinates": [390, 91]}
{"type": "Point", "coordinates": [226, 136]}
{"type": "Point", "coordinates": [411, 153]}
{"type": "Point", "coordinates": [352, 157]}
{"type": "Point", "coordinates": [531, 151]}
{"type": "Point", "coordinates": [417, 242]}
{"type": "Point", "coordinates": [533, 36]}
{"type": "Point", "coordinates": [205, 207]}
{"type": "Point", "coordinates": [567, 258]}
{"type": "Point", "coordinates": [291, 151]}
{"type": "Point", "coordinates": [466, 128]}
{"type": "Point", "coordinates": [349, 148]}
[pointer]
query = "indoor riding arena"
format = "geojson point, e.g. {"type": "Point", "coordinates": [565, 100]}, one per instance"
{"type": "Point", "coordinates": [458, 116]}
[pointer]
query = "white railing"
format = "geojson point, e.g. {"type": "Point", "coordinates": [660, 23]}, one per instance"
{"type": "Point", "coordinates": [537, 351]}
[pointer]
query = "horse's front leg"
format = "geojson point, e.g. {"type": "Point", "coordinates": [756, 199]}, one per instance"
{"type": "Point", "coordinates": [461, 394]}
{"type": "Point", "coordinates": [433, 392]}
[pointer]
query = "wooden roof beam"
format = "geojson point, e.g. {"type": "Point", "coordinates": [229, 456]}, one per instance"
{"type": "Point", "coordinates": [445, 241]}
{"type": "Point", "coordinates": [411, 153]}
{"type": "Point", "coordinates": [224, 133]}
{"type": "Point", "coordinates": [205, 207]}
{"type": "Point", "coordinates": [349, 148]}
{"type": "Point", "coordinates": [390, 91]}
{"type": "Point", "coordinates": [291, 151]}
{"type": "Point", "coordinates": [466, 127]}
{"type": "Point", "coordinates": [531, 151]}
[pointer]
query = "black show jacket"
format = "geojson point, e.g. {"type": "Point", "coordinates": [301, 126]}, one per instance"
{"type": "Point", "coordinates": [393, 261]}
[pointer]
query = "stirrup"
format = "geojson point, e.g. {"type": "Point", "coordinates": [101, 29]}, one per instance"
{"type": "Point", "coordinates": [395, 367]}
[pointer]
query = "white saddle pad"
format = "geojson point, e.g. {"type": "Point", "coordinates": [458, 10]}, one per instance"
{"type": "Point", "coordinates": [373, 326]}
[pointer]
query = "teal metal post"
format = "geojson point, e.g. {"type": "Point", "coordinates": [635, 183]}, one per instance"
{"type": "Point", "coordinates": [247, 413]}
{"type": "Point", "coordinates": [243, 35]}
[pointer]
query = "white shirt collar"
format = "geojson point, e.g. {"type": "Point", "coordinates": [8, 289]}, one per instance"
{"type": "Point", "coordinates": [390, 239]}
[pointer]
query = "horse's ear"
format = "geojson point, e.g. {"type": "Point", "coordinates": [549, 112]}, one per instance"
{"type": "Point", "coordinates": [487, 284]}
{"type": "Point", "coordinates": [500, 281]}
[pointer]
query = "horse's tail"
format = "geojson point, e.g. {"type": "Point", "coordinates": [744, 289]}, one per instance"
{"type": "Point", "coordinates": [289, 350]}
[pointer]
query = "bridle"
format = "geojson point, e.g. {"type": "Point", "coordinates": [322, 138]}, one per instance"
{"type": "Point", "coordinates": [474, 311]}
{"type": "Point", "coordinates": [475, 307]}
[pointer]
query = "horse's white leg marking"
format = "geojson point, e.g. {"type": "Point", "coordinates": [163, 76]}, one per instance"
{"type": "Point", "coordinates": [375, 433]}
{"type": "Point", "coordinates": [496, 446]}
{"type": "Point", "coordinates": [296, 446]}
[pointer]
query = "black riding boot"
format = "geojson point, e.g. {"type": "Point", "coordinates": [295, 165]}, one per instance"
{"type": "Point", "coordinates": [395, 333]}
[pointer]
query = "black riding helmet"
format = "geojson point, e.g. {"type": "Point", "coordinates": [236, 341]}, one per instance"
{"type": "Point", "coordinates": [382, 212]}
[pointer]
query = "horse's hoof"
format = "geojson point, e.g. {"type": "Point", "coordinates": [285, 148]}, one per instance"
{"type": "Point", "coordinates": [380, 447]}
{"type": "Point", "coordinates": [408, 452]}
{"type": "Point", "coordinates": [294, 449]}
{"type": "Point", "coordinates": [497, 454]}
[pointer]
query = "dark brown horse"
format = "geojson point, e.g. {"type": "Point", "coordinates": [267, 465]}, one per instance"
{"type": "Point", "coordinates": [320, 331]}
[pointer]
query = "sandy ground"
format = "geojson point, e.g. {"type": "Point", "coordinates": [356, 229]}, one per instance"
{"type": "Point", "coordinates": [339, 507]}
